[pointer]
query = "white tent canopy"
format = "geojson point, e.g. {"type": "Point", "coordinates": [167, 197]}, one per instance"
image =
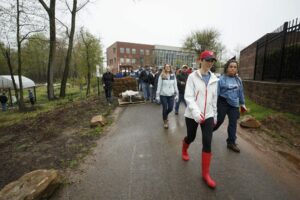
{"type": "Point", "coordinates": [6, 82]}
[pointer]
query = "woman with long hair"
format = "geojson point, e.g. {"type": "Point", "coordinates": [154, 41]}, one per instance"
{"type": "Point", "coordinates": [167, 92]}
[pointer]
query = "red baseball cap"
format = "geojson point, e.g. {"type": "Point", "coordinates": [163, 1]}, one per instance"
{"type": "Point", "coordinates": [207, 55]}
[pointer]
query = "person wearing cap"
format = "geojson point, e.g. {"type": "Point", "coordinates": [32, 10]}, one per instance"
{"type": "Point", "coordinates": [166, 92]}
{"type": "Point", "coordinates": [181, 81]}
{"type": "Point", "coordinates": [230, 98]}
{"type": "Point", "coordinates": [201, 98]}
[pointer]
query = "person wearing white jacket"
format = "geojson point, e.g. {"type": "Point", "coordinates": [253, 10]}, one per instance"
{"type": "Point", "coordinates": [166, 92]}
{"type": "Point", "coordinates": [201, 98]}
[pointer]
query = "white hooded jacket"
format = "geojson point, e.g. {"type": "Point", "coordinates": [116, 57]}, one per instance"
{"type": "Point", "coordinates": [201, 99]}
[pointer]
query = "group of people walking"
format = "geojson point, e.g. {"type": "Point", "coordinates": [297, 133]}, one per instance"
{"type": "Point", "coordinates": [208, 100]}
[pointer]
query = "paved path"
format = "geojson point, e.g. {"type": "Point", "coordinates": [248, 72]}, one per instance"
{"type": "Point", "coordinates": [143, 161]}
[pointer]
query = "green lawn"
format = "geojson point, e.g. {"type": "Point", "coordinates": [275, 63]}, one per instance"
{"type": "Point", "coordinates": [260, 112]}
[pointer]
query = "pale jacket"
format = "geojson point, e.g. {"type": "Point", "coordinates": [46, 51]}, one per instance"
{"type": "Point", "coordinates": [201, 99]}
{"type": "Point", "coordinates": [167, 86]}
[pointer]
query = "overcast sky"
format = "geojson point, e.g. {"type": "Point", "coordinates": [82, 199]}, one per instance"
{"type": "Point", "coordinates": [168, 22]}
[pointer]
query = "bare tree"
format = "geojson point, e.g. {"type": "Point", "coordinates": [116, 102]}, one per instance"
{"type": "Point", "coordinates": [20, 19]}
{"type": "Point", "coordinates": [52, 49]}
{"type": "Point", "coordinates": [206, 39]}
{"type": "Point", "coordinates": [70, 35]}
{"type": "Point", "coordinates": [87, 44]}
{"type": "Point", "coordinates": [6, 52]}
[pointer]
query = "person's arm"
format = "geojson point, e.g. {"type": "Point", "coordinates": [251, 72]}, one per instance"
{"type": "Point", "coordinates": [241, 93]}
{"type": "Point", "coordinates": [242, 98]}
{"type": "Point", "coordinates": [176, 89]}
{"type": "Point", "coordinates": [189, 97]}
{"type": "Point", "coordinates": [214, 103]}
{"type": "Point", "coordinates": [159, 83]}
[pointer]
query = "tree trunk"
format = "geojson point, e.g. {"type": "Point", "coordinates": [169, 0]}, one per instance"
{"type": "Point", "coordinates": [69, 53]}
{"type": "Point", "coordinates": [10, 67]}
{"type": "Point", "coordinates": [52, 51]}
{"type": "Point", "coordinates": [21, 100]}
{"type": "Point", "coordinates": [88, 79]}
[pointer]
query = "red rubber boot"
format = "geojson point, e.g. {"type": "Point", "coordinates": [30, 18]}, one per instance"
{"type": "Point", "coordinates": [206, 157]}
{"type": "Point", "coordinates": [185, 155]}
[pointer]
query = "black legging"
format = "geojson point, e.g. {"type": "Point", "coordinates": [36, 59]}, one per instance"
{"type": "Point", "coordinates": [206, 128]}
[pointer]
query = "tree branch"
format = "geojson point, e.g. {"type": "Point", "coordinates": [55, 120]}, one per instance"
{"type": "Point", "coordinates": [82, 5]}
{"type": "Point", "coordinates": [44, 5]}
{"type": "Point", "coordinates": [26, 35]}
{"type": "Point", "coordinates": [67, 28]}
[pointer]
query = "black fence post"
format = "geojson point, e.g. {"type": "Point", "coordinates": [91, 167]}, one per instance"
{"type": "Point", "coordinates": [255, 65]}
{"type": "Point", "coordinates": [282, 56]}
{"type": "Point", "coordinates": [265, 58]}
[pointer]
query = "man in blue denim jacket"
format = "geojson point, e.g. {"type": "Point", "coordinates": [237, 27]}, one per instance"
{"type": "Point", "coordinates": [230, 98]}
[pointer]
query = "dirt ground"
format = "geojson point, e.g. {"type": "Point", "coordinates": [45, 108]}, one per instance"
{"type": "Point", "coordinates": [57, 139]}
{"type": "Point", "coordinates": [61, 138]}
{"type": "Point", "coordinates": [278, 137]}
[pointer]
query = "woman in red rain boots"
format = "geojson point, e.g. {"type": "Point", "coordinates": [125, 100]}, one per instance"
{"type": "Point", "coordinates": [201, 98]}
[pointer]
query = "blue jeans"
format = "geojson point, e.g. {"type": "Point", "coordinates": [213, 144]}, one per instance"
{"type": "Point", "coordinates": [3, 106]}
{"type": "Point", "coordinates": [146, 90]}
{"type": "Point", "coordinates": [233, 114]}
{"type": "Point", "coordinates": [167, 105]}
{"type": "Point", "coordinates": [181, 99]}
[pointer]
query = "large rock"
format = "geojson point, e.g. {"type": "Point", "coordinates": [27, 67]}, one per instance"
{"type": "Point", "coordinates": [98, 120]}
{"type": "Point", "coordinates": [38, 184]}
{"type": "Point", "coordinates": [249, 122]}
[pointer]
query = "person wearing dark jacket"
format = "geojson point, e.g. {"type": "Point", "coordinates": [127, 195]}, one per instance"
{"type": "Point", "coordinates": [3, 100]}
{"type": "Point", "coordinates": [151, 85]}
{"type": "Point", "coordinates": [144, 78]}
{"type": "Point", "coordinates": [181, 81]}
{"type": "Point", "coordinates": [107, 81]}
{"type": "Point", "coordinates": [157, 74]}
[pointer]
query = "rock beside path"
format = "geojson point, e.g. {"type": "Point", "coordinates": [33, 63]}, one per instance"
{"type": "Point", "coordinates": [249, 122]}
{"type": "Point", "coordinates": [35, 185]}
{"type": "Point", "coordinates": [97, 120]}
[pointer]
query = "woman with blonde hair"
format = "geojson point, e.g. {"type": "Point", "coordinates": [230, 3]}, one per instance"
{"type": "Point", "coordinates": [166, 92]}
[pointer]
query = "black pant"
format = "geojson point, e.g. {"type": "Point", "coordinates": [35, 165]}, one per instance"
{"type": "Point", "coordinates": [206, 128]}
{"type": "Point", "coordinates": [108, 94]}
{"type": "Point", "coordinates": [233, 114]}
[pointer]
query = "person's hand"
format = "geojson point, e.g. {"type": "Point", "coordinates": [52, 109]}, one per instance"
{"type": "Point", "coordinates": [202, 119]}
{"type": "Point", "coordinates": [176, 98]}
{"type": "Point", "coordinates": [103, 85]}
{"type": "Point", "coordinates": [243, 109]}
{"type": "Point", "coordinates": [215, 121]}
{"type": "Point", "coordinates": [157, 99]}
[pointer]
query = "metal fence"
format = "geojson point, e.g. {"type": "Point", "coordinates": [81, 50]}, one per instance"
{"type": "Point", "coordinates": [278, 54]}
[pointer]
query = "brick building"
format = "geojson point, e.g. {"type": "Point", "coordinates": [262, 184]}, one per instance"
{"type": "Point", "coordinates": [126, 54]}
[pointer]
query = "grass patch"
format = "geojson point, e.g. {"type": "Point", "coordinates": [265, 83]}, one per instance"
{"type": "Point", "coordinates": [261, 112]}
{"type": "Point", "coordinates": [257, 111]}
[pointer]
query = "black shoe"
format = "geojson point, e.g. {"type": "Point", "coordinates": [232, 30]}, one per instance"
{"type": "Point", "coordinates": [176, 113]}
{"type": "Point", "coordinates": [233, 147]}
